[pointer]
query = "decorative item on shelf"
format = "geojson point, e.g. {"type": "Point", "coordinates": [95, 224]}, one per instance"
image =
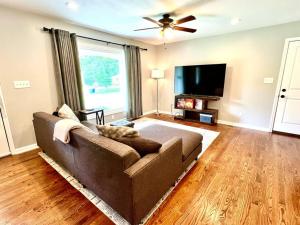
{"type": "Point", "coordinates": [206, 118]}
{"type": "Point", "coordinates": [185, 103]}
{"type": "Point", "coordinates": [157, 74]}
{"type": "Point", "coordinates": [198, 104]}
{"type": "Point", "coordinates": [180, 104]}
{"type": "Point", "coordinates": [178, 116]}
{"type": "Point", "coordinates": [189, 103]}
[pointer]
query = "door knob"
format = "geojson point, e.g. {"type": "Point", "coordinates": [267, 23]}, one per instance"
{"type": "Point", "coordinates": [282, 96]}
{"type": "Point", "coordinates": [283, 90]}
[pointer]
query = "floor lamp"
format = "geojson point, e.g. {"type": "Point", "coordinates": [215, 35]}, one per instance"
{"type": "Point", "coordinates": [157, 74]}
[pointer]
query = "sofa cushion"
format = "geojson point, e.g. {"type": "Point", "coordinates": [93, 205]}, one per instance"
{"type": "Point", "coordinates": [117, 131]}
{"type": "Point", "coordinates": [142, 145]}
{"type": "Point", "coordinates": [161, 134]}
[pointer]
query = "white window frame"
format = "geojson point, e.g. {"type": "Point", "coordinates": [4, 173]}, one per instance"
{"type": "Point", "coordinates": [112, 52]}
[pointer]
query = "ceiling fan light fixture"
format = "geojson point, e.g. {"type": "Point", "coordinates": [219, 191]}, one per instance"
{"type": "Point", "coordinates": [166, 32]}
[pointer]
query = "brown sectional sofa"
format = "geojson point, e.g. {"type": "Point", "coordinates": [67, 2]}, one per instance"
{"type": "Point", "coordinates": [115, 172]}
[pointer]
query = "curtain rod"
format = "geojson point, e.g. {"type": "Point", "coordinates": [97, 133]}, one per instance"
{"type": "Point", "coordinates": [95, 39]}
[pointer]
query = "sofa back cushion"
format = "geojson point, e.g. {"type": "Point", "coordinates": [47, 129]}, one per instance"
{"type": "Point", "coordinates": [142, 145]}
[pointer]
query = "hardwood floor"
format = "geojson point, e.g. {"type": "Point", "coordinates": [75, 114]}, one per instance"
{"type": "Point", "coordinates": [244, 177]}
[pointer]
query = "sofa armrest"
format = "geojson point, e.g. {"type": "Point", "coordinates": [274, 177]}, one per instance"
{"type": "Point", "coordinates": [171, 151]}
{"type": "Point", "coordinates": [153, 175]}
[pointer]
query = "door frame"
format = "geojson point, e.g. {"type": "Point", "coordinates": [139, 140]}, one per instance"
{"type": "Point", "coordinates": [279, 80]}
{"type": "Point", "coordinates": [7, 126]}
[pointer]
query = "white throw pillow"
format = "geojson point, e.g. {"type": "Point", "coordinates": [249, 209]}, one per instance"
{"type": "Point", "coordinates": [67, 113]}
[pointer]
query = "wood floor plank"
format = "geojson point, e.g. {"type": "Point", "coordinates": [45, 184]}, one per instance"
{"type": "Point", "coordinates": [245, 177]}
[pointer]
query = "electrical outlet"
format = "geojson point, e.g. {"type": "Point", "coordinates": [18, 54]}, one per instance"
{"type": "Point", "coordinates": [22, 84]}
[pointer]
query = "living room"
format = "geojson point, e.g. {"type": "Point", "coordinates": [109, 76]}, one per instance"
{"type": "Point", "coordinates": [239, 150]}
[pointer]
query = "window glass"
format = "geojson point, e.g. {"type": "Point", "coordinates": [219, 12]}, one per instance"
{"type": "Point", "coordinates": [103, 78]}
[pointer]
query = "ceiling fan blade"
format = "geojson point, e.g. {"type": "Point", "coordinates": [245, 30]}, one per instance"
{"type": "Point", "coordinates": [191, 30]}
{"type": "Point", "coordinates": [149, 28]}
{"type": "Point", "coordinates": [185, 19]}
{"type": "Point", "coordinates": [153, 21]}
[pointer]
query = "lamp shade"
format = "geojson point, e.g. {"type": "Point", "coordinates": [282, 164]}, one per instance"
{"type": "Point", "coordinates": [157, 74]}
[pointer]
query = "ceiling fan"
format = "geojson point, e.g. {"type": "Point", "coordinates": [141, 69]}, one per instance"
{"type": "Point", "coordinates": [168, 23]}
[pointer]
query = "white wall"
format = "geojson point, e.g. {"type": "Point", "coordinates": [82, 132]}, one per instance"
{"type": "Point", "coordinates": [25, 54]}
{"type": "Point", "coordinates": [250, 56]}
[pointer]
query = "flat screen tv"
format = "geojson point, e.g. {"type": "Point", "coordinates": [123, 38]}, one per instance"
{"type": "Point", "coordinates": [207, 80]}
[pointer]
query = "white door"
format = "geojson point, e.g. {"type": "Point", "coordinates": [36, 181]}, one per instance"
{"type": "Point", "coordinates": [4, 147]}
{"type": "Point", "coordinates": [287, 118]}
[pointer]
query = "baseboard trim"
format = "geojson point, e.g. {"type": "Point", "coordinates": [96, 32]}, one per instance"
{"type": "Point", "coordinates": [23, 149]}
{"type": "Point", "coordinates": [149, 112]}
{"type": "Point", "coordinates": [5, 154]}
{"type": "Point", "coordinates": [165, 112]}
{"type": "Point", "coordinates": [234, 124]}
{"type": "Point", "coordinates": [244, 125]}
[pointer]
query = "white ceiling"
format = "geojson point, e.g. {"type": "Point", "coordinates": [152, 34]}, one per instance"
{"type": "Point", "coordinates": [121, 17]}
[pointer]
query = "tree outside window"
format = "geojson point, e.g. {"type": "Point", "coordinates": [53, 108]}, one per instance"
{"type": "Point", "coordinates": [102, 76]}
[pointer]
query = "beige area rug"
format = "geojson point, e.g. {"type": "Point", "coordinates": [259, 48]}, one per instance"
{"type": "Point", "coordinates": [208, 138]}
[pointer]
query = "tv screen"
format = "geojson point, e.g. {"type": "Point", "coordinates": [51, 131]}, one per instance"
{"type": "Point", "coordinates": [205, 80]}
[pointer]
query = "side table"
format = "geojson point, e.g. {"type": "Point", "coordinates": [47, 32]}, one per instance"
{"type": "Point", "coordinates": [99, 114]}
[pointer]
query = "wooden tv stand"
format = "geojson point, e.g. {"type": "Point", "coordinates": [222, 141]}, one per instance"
{"type": "Point", "coordinates": [194, 114]}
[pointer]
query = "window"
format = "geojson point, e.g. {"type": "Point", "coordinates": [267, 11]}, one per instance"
{"type": "Point", "coordinates": [103, 78]}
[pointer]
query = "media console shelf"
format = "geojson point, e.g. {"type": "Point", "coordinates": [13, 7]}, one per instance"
{"type": "Point", "coordinates": [191, 110]}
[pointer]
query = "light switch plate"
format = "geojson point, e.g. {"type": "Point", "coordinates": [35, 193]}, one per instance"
{"type": "Point", "coordinates": [22, 84]}
{"type": "Point", "coordinates": [268, 80]}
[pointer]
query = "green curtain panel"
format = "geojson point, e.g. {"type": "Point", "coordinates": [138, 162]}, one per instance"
{"type": "Point", "coordinates": [67, 66]}
{"type": "Point", "coordinates": [134, 81]}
